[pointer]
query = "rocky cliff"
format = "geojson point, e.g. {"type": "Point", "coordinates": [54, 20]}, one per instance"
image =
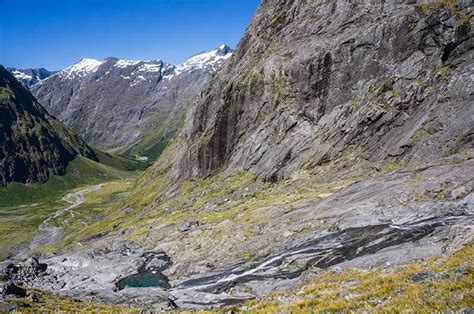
{"type": "Point", "coordinates": [339, 83]}
{"type": "Point", "coordinates": [137, 105]}
{"type": "Point", "coordinates": [34, 144]}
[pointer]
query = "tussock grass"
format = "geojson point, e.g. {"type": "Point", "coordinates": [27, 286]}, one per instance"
{"type": "Point", "coordinates": [387, 291]}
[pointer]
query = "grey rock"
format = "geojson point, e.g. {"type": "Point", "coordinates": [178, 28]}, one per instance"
{"type": "Point", "coordinates": [424, 275]}
{"type": "Point", "coordinates": [12, 306]}
{"type": "Point", "coordinates": [319, 82]}
{"type": "Point", "coordinates": [188, 225]}
{"type": "Point", "coordinates": [33, 297]}
{"type": "Point", "coordinates": [10, 289]}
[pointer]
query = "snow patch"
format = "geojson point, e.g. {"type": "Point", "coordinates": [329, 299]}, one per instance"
{"type": "Point", "coordinates": [138, 80]}
{"type": "Point", "coordinates": [126, 63]}
{"type": "Point", "coordinates": [21, 76]}
{"type": "Point", "coordinates": [82, 68]}
{"type": "Point", "coordinates": [211, 59]}
{"type": "Point", "coordinates": [149, 67]}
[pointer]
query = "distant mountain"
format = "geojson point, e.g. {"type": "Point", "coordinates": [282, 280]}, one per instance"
{"type": "Point", "coordinates": [135, 105]}
{"type": "Point", "coordinates": [30, 76]}
{"type": "Point", "coordinates": [33, 144]}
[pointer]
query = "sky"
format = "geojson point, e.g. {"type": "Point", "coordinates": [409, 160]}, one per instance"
{"type": "Point", "coordinates": [56, 33]}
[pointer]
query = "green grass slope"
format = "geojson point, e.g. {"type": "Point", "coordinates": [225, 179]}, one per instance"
{"type": "Point", "coordinates": [80, 172]}
{"type": "Point", "coordinates": [24, 207]}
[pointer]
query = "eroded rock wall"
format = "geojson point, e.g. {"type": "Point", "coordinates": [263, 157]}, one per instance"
{"type": "Point", "coordinates": [348, 82]}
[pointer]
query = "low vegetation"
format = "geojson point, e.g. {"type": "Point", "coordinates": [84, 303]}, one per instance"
{"type": "Point", "coordinates": [424, 286]}
{"type": "Point", "coordinates": [449, 5]}
{"type": "Point", "coordinates": [49, 302]}
{"type": "Point", "coordinates": [435, 284]}
{"type": "Point", "coordinates": [98, 204]}
{"type": "Point", "coordinates": [80, 172]}
{"type": "Point", "coordinates": [24, 207]}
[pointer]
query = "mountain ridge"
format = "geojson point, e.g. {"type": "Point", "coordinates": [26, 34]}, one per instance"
{"type": "Point", "coordinates": [264, 109]}
{"type": "Point", "coordinates": [118, 103]}
{"type": "Point", "coordinates": [30, 76]}
{"type": "Point", "coordinates": [337, 139]}
{"type": "Point", "coordinates": [34, 144]}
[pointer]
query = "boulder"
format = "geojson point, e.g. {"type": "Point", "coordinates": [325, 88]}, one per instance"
{"type": "Point", "coordinates": [188, 225]}
{"type": "Point", "coordinates": [10, 289]}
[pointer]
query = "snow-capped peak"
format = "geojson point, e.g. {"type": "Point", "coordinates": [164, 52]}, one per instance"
{"type": "Point", "coordinates": [21, 76]}
{"type": "Point", "coordinates": [207, 59]}
{"type": "Point", "coordinates": [81, 68]}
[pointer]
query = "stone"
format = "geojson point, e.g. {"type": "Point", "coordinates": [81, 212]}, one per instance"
{"type": "Point", "coordinates": [424, 275]}
{"type": "Point", "coordinates": [33, 297]}
{"type": "Point", "coordinates": [188, 225]}
{"type": "Point", "coordinates": [10, 289]}
{"type": "Point", "coordinates": [12, 306]}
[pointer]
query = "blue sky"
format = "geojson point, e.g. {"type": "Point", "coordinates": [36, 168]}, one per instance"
{"type": "Point", "coordinates": [56, 33]}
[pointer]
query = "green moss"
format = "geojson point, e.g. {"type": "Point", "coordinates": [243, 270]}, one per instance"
{"type": "Point", "coordinates": [467, 154]}
{"type": "Point", "coordinates": [4, 93]}
{"type": "Point", "coordinates": [443, 74]}
{"type": "Point", "coordinates": [449, 5]}
{"type": "Point", "coordinates": [383, 86]}
{"type": "Point", "coordinates": [69, 240]}
{"type": "Point", "coordinates": [418, 134]}
{"type": "Point", "coordinates": [391, 166]}
{"type": "Point", "coordinates": [281, 88]}
{"type": "Point", "coordinates": [418, 178]}
{"type": "Point", "coordinates": [428, 8]}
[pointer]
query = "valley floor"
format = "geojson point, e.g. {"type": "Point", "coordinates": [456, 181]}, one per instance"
{"type": "Point", "coordinates": [398, 239]}
{"type": "Point", "coordinates": [434, 284]}
{"type": "Point", "coordinates": [25, 208]}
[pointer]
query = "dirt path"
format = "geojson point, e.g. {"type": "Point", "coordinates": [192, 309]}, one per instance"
{"type": "Point", "coordinates": [48, 234]}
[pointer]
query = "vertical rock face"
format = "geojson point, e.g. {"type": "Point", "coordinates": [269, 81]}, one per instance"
{"type": "Point", "coordinates": [346, 82]}
{"type": "Point", "coordinates": [116, 102]}
{"type": "Point", "coordinates": [33, 145]}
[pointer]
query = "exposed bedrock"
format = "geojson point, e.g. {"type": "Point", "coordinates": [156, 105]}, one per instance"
{"type": "Point", "coordinates": [317, 82]}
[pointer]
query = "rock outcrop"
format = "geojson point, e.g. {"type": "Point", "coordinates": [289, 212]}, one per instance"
{"type": "Point", "coordinates": [34, 144]}
{"type": "Point", "coordinates": [137, 105]}
{"type": "Point", "coordinates": [341, 83]}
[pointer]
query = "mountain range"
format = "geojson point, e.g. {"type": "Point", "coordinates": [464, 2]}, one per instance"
{"type": "Point", "coordinates": [29, 77]}
{"type": "Point", "coordinates": [324, 165]}
{"type": "Point", "coordinates": [134, 107]}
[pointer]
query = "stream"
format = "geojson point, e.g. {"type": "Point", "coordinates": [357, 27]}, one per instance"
{"type": "Point", "coordinates": [321, 252]}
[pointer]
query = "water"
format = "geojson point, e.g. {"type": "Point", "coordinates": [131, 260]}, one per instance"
{"type": "Point", "coordinates": [325, 251]}
{"type": "Point", "coordinates": [143, 280]}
